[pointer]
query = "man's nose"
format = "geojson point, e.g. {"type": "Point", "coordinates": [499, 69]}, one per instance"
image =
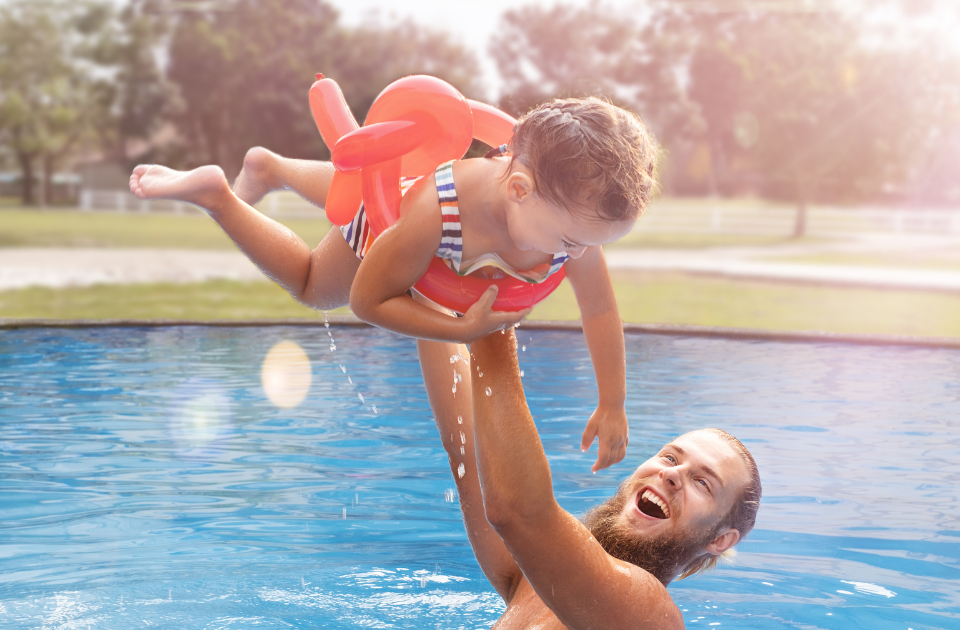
{"type": "Point", "coordinates": [672, 476]}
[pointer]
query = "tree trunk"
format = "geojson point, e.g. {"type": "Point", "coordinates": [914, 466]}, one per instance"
{"type": "Point", "coordinates": [800, 225]}
{"type": "Point", "coordinates": [46, 198]}
{"type": "Point", "coordinates": [26, 168]}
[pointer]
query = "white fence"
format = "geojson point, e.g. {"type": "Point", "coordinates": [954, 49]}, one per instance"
{"type": "Point", "coordinates": [673, 217]}
{"type": "Point", "coordinates": [665, 216]}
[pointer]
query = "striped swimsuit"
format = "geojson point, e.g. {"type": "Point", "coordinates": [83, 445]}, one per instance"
{"type": "Point", "coordinates": [358, 235]}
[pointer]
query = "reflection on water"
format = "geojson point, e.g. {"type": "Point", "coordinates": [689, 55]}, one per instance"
{"type": "Point", "coordinates": [148, 478]}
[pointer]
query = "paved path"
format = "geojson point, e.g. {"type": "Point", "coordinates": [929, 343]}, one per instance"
{"type": "Point", "coordinates": [63, 267]}
{"type": "Point", "coordinates": [60, 267]}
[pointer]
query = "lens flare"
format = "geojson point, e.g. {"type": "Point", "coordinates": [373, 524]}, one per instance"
{"type": "Point", "coordinates": [200, 421]}
{"type": "Point", "coordinates": [286, 374]}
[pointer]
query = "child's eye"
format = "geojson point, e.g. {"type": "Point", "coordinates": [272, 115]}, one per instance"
{"type": "Point", "coordinates": [567, 244]}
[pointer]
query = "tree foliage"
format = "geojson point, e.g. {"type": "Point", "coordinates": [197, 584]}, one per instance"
{"type": "Point", "coordinates": [795, 101]}
{"type": "Point", "coordinates": [243, 71]}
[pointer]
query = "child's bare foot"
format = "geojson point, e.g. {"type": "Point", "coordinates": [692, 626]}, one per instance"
{"type": "Point", "coordinates": [255, 180]}
{"type": "Point", "coordinates": [204, 186]}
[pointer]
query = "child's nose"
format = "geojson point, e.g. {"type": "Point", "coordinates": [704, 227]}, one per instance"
{"type": "Point", "coordinates": [576, 252]}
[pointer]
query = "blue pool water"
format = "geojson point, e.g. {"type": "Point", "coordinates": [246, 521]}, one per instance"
{"type": "Point", "coordinates": [148, 481]}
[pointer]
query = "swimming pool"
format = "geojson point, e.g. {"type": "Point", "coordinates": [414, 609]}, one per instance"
{"type": "Point", "coordinates": [148, 480]}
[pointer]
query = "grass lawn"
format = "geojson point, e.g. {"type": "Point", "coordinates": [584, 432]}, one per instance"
{"type": "Point", "coordinates": [71, 228]}
{"type": "Point", "coordinates": [643, 298]}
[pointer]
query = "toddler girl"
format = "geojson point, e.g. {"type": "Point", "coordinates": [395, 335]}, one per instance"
{"type": "Point", "coordinates": [577, 175]}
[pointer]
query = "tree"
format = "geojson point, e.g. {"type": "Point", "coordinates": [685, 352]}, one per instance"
{"type": "Point", "coordinates": [243, 70]}
{"type": "Point", "coordinates": [46, 93]}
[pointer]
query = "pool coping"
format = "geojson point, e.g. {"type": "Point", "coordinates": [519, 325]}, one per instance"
{"type": "Point", "coordinates": [678, 330]}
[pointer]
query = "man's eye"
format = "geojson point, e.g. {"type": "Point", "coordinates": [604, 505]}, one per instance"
{"type": "Point", "coordinates": [702, 482]}
{"type": "Point", "coordinates": [670, 458]}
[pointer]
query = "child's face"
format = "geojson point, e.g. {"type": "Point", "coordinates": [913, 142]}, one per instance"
{"type": "Point", "coordinates": [536, 224]}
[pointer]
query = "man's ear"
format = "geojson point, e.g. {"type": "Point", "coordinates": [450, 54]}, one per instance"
{"type": "Point", "coordinates": [725, 540]}
{"type": "Point", "coordinates": [519, 186]}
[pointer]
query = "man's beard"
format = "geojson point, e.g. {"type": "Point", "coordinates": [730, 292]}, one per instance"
{"type": "Point", "coordinates": [664, 555]}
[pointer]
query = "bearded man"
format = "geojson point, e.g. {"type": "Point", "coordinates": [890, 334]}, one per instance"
{"type": "Point", "coordinates": [673, 517]}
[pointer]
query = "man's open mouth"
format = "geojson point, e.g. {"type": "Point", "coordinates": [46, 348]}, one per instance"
{"type": "Point", "coordinates": [652, 505]}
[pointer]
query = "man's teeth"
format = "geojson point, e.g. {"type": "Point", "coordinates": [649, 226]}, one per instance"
{"type": "Point", "coordinates": [652, 498]}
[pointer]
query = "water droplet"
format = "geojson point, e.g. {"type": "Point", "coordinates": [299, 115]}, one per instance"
{"type": "Point", "coordinates": [523, 348]}
{"type": "Point", "coordinates": [449, 495]}
{"type": "Point", "coordinates": [343, 369]}
{"type": "Point", "coordinates": [462, 452]}
{"type": "Point", "coordinates": [459, 419]}
{"type": "Point", "coordinates": [360, 396]}
{"type": "Point", "coordinates": [461, 470]}
{"type": "Point", "coordinates": [326, 325]}
{"type": "Point", "coordinates": [489, 391]}
{"type": "Point", "coordinates": [344, 513]}
{"type": "Point", "coordinates": [480, 374]}
{"type": "Point", "coordinates": [423, 581]}
{"type": "Point", "coordinates": [521, 373]}
{"type": "Point", "coordinates": [374, 407]}
{"type": "Point", "coordinates": [463, 437]}
{"type": "Point", "coordinates": [454, 388]}
{"type": "Point", "coordinates": [350, 380]}
{"type": "Point", "coordinates": [333, 347]}
{"type": "Point", "coordinates": [170, 594]}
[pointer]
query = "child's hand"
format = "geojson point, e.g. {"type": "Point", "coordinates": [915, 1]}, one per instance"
{"type": "Point", "coordinates": [610, 424]}
{"type": "Point", "coordinates": [480, 319]}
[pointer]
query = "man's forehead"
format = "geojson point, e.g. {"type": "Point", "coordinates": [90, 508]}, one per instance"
{"type": "Point", "coordinates": [711, 450]}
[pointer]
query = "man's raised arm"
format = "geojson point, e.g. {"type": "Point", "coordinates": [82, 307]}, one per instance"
{"type": "Point", "coordinates": [583, 585]}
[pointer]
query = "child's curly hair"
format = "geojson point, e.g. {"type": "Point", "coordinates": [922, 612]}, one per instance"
{"type": "Point", "coordinates": [588, 152]}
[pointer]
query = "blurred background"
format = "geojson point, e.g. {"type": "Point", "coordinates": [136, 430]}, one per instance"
{"type": "Point", "coordinates": [809, 178]}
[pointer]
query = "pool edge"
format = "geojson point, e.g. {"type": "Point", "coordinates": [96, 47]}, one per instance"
{"type": "Point", "coordinates": [653, 329]}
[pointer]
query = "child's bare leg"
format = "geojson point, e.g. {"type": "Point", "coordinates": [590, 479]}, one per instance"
{"type": "Point", "coordinates": [264, 171]}
{"type": "Point", "coordinates": [320, 278]}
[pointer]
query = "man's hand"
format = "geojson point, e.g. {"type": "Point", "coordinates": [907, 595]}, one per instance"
{"type": "Point", "coordinates": [480, 319]}
{"type": "Point", "coordinates": [610, 424]}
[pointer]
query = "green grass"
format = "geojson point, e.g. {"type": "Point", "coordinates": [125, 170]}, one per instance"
{"type": "Point", "coordinates": [215, 299]}
{"type": "Point", "coordinates": [643, 298]}
{"type": "Point", "coordinates": [682, 299]}
{"type": "Point", "coordinates": [71, 228]}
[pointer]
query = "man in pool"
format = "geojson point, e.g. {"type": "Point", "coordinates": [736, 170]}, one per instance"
{"type": "Point", "coordinates": [673, 516]}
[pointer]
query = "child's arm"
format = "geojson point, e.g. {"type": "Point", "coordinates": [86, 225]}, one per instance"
{"type": "Point", "coordinates": [603, 330]}
{"type": "Point", "coordinates": [397, 259]}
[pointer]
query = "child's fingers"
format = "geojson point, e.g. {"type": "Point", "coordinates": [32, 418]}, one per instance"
{"type": "Point", "coordinates": [589, 434]}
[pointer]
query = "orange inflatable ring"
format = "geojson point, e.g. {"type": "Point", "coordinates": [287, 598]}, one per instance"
{"type": "Point", "coordinates": [416, 124]}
